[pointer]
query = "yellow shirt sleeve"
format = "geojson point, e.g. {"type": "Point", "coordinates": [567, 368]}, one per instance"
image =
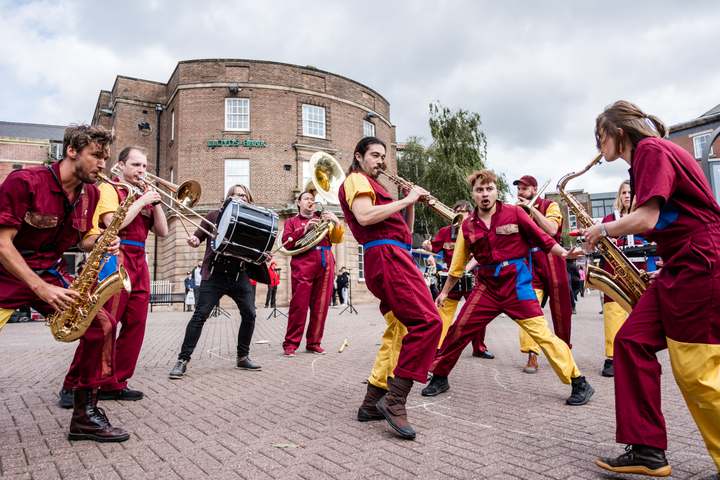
{"type": "Point", "coordinates": [356, 184]}
{"type": "Point", "coordinates": [336, 234]}
{"type": "Point", "coordinates": [461, 256]}
{"type": "Point", "coordinates": [553, 213]}
{"type": "Point", "coordinates": [109, 202]}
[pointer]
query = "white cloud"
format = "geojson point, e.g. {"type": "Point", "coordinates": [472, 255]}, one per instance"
{"type": "Point", "coordinates": [538, 73]}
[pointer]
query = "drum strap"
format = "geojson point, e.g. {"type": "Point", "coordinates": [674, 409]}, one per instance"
{"type": "Point", "coordinates": [532, 250]}
{"type": "Point", "coordinates": [322, 252]}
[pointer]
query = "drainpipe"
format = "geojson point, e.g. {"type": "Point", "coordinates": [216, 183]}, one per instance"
{"type": "Point", "coordinates": [158, 109]}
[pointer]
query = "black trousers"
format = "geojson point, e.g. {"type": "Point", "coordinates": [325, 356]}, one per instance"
{"type": "Point", "coordinates": [270, 297]}
{"type": "Point", "coordinates": [212, 290]}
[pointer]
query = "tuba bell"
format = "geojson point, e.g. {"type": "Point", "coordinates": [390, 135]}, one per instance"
{"type": "Point", "coordinates": [325, 180]}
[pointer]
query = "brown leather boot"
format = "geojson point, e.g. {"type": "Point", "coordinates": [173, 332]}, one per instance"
{"type": "Point", "coordinates": [392, 406]}
{"type": "Point", "coordinates": [368, 411]}
{"type": "Point", "coordinates": [89, 422]}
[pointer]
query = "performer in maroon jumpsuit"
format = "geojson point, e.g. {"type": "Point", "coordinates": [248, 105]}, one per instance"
{"type": "Point", "coordinates": [313, 274]}
{"type": "Point", "coordinates": [549, 271]}
{"type": "Point", "coordinates": [44, 211]}
{"type": "Point", "coordinates": [393, 277]}
{"type": "Point", "coordinates": [680, 309]}
{"type": "Point", "coordinates": [498, 237]}
{"type": "Point", "coordinates": [130, 309]}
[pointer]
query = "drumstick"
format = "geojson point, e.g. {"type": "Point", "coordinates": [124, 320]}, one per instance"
{"type": "Point", "coordinates": [345, 344]}
{"type": "Point", "coordinates": [281, 246]}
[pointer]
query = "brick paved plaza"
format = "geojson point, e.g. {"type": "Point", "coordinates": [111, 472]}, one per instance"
{"type": "Point", "coordinates": [296, 418]}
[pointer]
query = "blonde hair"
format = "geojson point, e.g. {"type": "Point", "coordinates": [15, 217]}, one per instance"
{"type": "Point", "coordinates": [618, 201]}
{"type": "Point", "coordinates": [245, 189]}
{"type": "Point", "coordinates": [485, 176]}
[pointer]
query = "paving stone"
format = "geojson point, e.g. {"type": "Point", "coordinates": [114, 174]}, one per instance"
{"type": "Point", "coordinates": [219, 422]}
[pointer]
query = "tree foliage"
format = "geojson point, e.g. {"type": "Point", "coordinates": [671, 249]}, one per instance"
{"type": "Point", "coordinates": [458, 148]}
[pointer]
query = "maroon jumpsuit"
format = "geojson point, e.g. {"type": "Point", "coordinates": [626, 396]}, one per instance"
{"type": "Point", "coordinates": [504, 280]}
{"type": "Point", "coordinates": [313, 274]}
{"type": "Point", "coordinates": [33, 202]}
{"type": "Point", "coordinates": [550, 275]}
{"type": "Point", "coordinates": [130, 309]}
{"type": "Point", "coordinates": [393, 277]}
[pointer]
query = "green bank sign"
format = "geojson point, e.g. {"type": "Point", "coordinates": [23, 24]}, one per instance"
{"type": "Point", "coordinates": [236, 143]}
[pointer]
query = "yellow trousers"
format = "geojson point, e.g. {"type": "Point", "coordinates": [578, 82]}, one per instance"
{"type": "Point", "coordinates": [387, 357]}
{"type": "Point", "coordinates": [696, 368]}
{"type": "Point", "coordinates": [5, 316]}
{"type": "Point", "coordinates": [527, 344]}
{"type": "Point", "coordinates": [447, 314]}
{"type": "Point", "coordinates": [557, 352]}
{"type": "Point", "coordinates": [614, 316]}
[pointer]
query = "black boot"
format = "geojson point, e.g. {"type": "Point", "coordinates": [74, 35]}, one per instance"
{"type": "Point", "coordinates": [392, 406]}
{"type": "Point", "coordinates": [89, 422]}
{"type": "Point", "coordinates": [639, 459]}
{"type": "Point", "coordinates": [437, 385]}
{"type": "Point", "coordinates": [581, 392]}
{"type": "Point", "coordinates": [368, 411]}
{"type": "Point", "coordinates": [608, 368]}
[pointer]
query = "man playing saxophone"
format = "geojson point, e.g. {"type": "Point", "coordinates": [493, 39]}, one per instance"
{"type": "Point", "coordinates": [130, 309]}
{"type": "Point", "coordinates": [313, 274]}
{"type": "Point", "coordinates": [44, 211]}
{"type": "Point", "coordinates": [548, 271]}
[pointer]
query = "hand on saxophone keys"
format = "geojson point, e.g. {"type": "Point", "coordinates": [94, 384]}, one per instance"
{"type": "Point", "coordinates": [592, 236]}
{"type": "Point", "coordinates": [57, 297]}
{"type": "Point", "coordinates": [416, 194]}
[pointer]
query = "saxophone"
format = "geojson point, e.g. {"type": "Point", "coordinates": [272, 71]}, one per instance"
{"type": "Point", "coordinates": [69, 325]}
{"type": "Point", "coordinates": [629, 282]}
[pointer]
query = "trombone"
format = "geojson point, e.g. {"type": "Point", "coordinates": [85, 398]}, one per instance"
{"type": "Point", "coordinates": [187, 195]}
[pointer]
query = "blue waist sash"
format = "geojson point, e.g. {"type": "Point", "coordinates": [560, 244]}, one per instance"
{"type": "Point", "coordinates": [388, 242]}
{"type": "Point", "coordinates": [322, 252]}
{"type": "Point", "coordinates": [524, 277]}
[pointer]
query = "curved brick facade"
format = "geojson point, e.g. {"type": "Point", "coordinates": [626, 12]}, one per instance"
{"type": "Point", "coordinates": [274, 145]}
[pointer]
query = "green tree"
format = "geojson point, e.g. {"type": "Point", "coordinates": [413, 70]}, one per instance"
{"type": "Point", "coordinates": [458, 148]}
{"type": "Point", "coordinates": [413, 165]}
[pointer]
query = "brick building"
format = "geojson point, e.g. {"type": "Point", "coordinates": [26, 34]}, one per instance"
{"type": "Point", "coordinates": [24, 145]}
{"type": "Point", "coordinates": [693, 135]}
{"type": "Point", "coordinates": [222, 122]}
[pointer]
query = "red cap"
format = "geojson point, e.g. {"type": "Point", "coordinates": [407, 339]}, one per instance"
{"type": "Point", "coordinates": [527, 180]}
{"type": "Point", "coordinates": [273, 263]}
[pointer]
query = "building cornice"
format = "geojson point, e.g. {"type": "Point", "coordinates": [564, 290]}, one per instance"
{"type": "Point", "coordinates": [280, 88]}
{"type": "Point", "coordinates": [24, 141]}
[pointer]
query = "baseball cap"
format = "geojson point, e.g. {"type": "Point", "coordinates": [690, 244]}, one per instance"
{"type": "Point", "coordinates": [527, 180]}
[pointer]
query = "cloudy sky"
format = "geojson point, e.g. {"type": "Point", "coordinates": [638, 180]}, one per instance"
{"type": "Point", "coordinates": [538, 72]}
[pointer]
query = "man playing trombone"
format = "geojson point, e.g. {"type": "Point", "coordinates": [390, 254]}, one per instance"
{"type": "Point", "coordinates": [130, 309]}
{"type": "Point", "coordinates": [548, 271]}
{"type": "Point", "coordinates": [313, 274]}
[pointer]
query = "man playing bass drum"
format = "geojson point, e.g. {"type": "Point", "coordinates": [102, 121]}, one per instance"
{"type": "Point", "coordinates": [313, 274]}
{"type": "Point", "coordinates": [445, 241]}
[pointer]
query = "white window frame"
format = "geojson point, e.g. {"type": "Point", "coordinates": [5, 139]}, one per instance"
{"type": "Point", "coordinates": [172, 125]}
{"type": "Point", "coordinates": [699, 144]}
{"type": "Point", "coordinates": [306, 174]}
{"type": "Point", "coordinates": [572, 220]}
{"type": "Point", "coordinates": [237, 170]}
{"type": "Point", "coordinates": [56, 150]}
{"type": "Point", "coordinates": [368, 129]}
{"type": "Point", "coordinates": [237, 120]}
{"type": "Point", "coordinates": [314, 121]}
{"type": "Point", "coordinates": [361, 263]}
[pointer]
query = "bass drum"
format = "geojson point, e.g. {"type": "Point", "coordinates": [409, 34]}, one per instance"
{"type": "Point", "coordinates": [465, 284]}
{"type": "Point", "coordinates": [245, 231]}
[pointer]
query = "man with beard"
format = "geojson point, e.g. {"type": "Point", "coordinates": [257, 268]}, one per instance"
{"type": "Point", "coordinates": [549, 271]}
{"type": "Point", "coordinates": [130, 309]}
{"type": "Point", "coordinates": [44, 211]}
{"type": "Point", "coordinates": [414, 324]}
{"type": "Point", "coordinates": [498, 236]}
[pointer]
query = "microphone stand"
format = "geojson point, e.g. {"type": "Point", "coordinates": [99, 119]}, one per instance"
{"type": "Point", "coordinates": [349, 299]}
{"type": "Point", "coordinates": [275, 312]}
